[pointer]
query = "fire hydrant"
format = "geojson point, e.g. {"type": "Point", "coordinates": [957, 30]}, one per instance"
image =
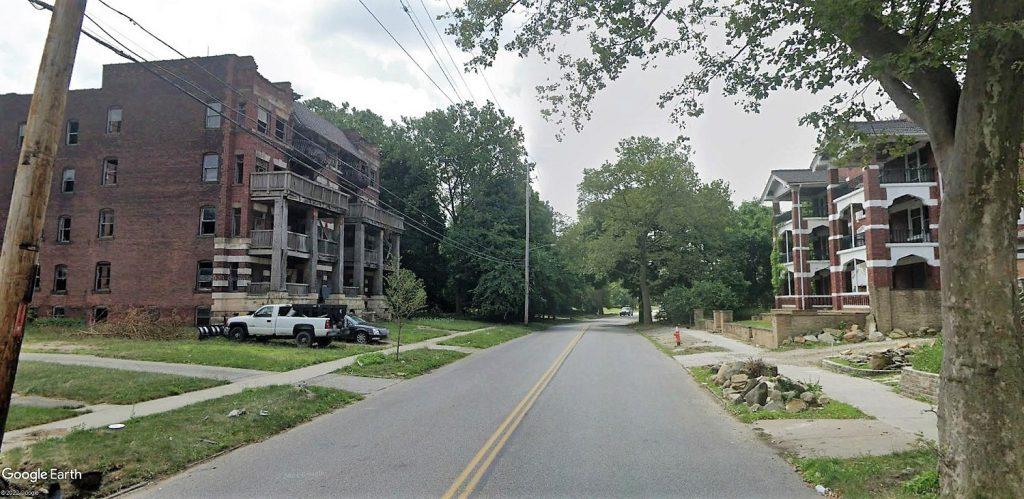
{"type": "Point", "coordinates": [678, 338]}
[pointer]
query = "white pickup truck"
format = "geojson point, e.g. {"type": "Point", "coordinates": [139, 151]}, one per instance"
{"type": "Point", "coordinates": [308, 325]}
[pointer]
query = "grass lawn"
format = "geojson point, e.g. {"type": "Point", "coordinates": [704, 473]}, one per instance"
{"type": "Point", "coordinates": [441, 323]}
{"type": "Point", "coordinates": [488, 338]}
{"type": "Point", "coordinates": [411, 334]}
{"type": "Point", "coordinates": [272, 356]}
{"type": "Point", "coordinates": [162, 444]}
{"type": "Point", "coordinates": [23, 416]}
{"type": "Point", "coordinates": [832, 410]}
{"type": "Point", "coordinates": [757, 324]}
{"type": "Point", "coordinates": [96, 385]}
{"type": "Point", "coordinates": [928, 358]}
{"type": "Point", "coordinates": [906, 474]}
{"type": "Point", "coordinates": [410, 363]}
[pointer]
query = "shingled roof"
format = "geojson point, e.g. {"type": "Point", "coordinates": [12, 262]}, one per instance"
{"type": "Point", "coordinates": [308, 119]}
{"type": "Point", "coordinates": [898, 127]}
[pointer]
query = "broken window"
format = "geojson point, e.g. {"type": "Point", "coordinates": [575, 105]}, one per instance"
{"type": "Point", "coordinates": [102, 277]}
{"type": "Point", "coordinates": [240, 109]}
{"type": "Point", "coordinates": [262, 120]}
{"type": "Point", "coordinates": [207, 221]}
{"type": "Point", "coordinates": [64, 229]}
{"type": "Point", "coordinates": [262, 165]}
{"type": "Point", "coordinates": [109, 176]}
{"type": "Point", "coordinates": [114, 120]}
{"type": "Point", "coordinates": [203, 316]}
{"type": "Point", "coordinates": [239, 168]}
{"type": "Point", "coordinates": [57, 312]}
{"type": "Point", "coordinates": [99, 314]}
{"type": "Point", "coordinates": [106, 224]}
{"type": "Point", "coordinates": [213, 114]}
{"type": "Point", "coordinates": [204, 275]}
{"type": "Point", "coordinates": [233, 276]}
{"type": "Point", "coordinates": [60, 279]}
{"type": "Point", "coordinates": [72, 132]}
{"type": "Point", "coordinates": [211, 167]}
{"type": "Point", "coordinates": [236, 222]}
{"type": "Point", "coordinates": [67, 183]}
{"type": "Point", "coordinates": [21, 134]}
{"type": "Point", "coordinates": [279, 128]}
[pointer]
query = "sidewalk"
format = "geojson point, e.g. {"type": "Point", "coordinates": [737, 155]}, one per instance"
{"type": "Point", "coordinates": [319, 374]}
{"type": "Point", "coordinates": [874, 399]}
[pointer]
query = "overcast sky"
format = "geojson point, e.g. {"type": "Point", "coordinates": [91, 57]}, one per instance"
{"type": "Point", "coordinates": [336, 51]}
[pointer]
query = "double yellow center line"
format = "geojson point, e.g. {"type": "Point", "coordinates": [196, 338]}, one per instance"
{"type": "Point", "coordinates": [481, 462]}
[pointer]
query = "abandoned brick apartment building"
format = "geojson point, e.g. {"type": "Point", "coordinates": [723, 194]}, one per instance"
{"type": "Point", "coordinates": [862, 238]}
{"type": "Point", "coordinates": [162, 202]}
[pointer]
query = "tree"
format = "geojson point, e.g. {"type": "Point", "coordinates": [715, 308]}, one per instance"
{"type": "Point", "coordinates": [951, 66]}
{"type": "Point", "coordinates": [406, 296]}
{"type": "Point", "coordinates": [750, 238]}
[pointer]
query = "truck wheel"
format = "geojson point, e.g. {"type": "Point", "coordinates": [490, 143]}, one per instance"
{"type": "Point", "coordinates": [362, 338]}
{"type": "Point", "coordinates": [237, 333]}
{"type": "Point", "coordinates": [304, 339]}
{"type": "Point", "coordinates": [323, 342]}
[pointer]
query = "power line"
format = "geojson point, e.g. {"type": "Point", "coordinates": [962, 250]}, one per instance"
{"type": "Point", "coordinates": [445, 46]}
{"type": "Point", "coordinates": [413, 59]}
{"type": "Point", "coordinates": [430, 48]}
{"type": "Point", "coordinates": [294, 130]}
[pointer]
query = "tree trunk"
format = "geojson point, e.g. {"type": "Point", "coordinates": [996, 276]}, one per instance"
{"type": "Point", "coordinates": [981, 399]}
{"type": "Point", "coordinates": [645, 291]}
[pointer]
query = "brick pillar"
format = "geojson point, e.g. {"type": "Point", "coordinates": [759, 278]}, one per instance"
{"type": "Point", "coordinates": [801, 265]}
{"type": "Point", "coordinates": [338, 273]}
{"type": "Point", "coordinates": [877, 235]}
{"type": "Point", "coordinates": [279, 246]}
{"type": "Point", "coordinates": [378, 276]}
{"type": "Point", "coordinates": [359, 262]}
{"type": "Point", "coordinates": [836, 277]}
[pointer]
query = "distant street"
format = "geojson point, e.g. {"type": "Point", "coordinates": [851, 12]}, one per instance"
{"type": "Point", "coordinates": [615, 418]}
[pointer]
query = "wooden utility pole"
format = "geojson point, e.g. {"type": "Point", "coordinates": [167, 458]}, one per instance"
{"type": "Point", "coordinates": [526, 257]}
{"type": "Point", "coordinates": [32, 187]}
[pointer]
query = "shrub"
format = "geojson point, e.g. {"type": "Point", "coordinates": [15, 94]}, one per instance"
{"type": "Point", "coordinates": [925, 483]}
{"type": "Point", "coordinates": [678, 302]}
{"type": "Point", "coordinates": [139, 324]}
{"type": "Point", "coordinates": [928, 358]}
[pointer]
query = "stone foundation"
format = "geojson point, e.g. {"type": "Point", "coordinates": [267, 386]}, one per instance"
{"type": "Point", "coordinates": [788, 323]}
{"type": "Point", "coordinates": [226, 305]}
{"type": "Point", "coordinates": [906, 309]}
{"type": "Point", "coordinates": [919, 384]}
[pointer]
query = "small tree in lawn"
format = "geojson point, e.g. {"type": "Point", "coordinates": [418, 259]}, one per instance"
{"type": "Point", "coordinates": [406, 296]}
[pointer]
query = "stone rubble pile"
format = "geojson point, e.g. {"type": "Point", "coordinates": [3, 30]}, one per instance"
{"type": "Point", "coordinates": [854, 334]}
{"type": "Point", "coordinates": [892, 359]}
{"type": "Point", "coordinates": [760, 387]}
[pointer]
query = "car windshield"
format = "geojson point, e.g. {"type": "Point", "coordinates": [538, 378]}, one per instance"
{"type": "Point", "coordinates": [356, 320]}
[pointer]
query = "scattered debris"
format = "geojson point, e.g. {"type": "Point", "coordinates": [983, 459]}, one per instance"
{"type": "Point", "coordinates": [263, 412]}
{"type": "Point", "coordinates": [116, 426]}
{"type": "Point", "coordinates": [760, 386]}
{"type": "Point", "coordinates": [236, 412]}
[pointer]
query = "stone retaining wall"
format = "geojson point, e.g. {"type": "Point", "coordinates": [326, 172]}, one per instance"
{"type": "Point", "coordinates": [737, 331]}
{"type": "Point", "coordinates": [919, 384]}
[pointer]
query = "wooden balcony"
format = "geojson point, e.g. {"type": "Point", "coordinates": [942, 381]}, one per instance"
{"type": "Point", "coordinates": [328, 250]}
{"type": "Point", "coordinates": [365, 213]}
{"type": "Point", "coordinates": [270, 185]}
{"type": "Point", "coordinates": [369, 258]}
{"type": "Point", "coordinates": [261, 240]}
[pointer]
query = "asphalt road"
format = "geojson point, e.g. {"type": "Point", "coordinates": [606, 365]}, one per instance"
{"type": "Point", "coordinates": [618, 418]}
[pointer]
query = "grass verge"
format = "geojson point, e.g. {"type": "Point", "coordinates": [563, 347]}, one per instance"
{"type": "Point", "coordinates": [159, 445]}
{"type": "Point", "coordinates": [690, 350]}
{"type": "Point", "coordinates": [441, 323]}
{"type": "Point", "coordinates": [409, 364]}
{"type": "Point", "coordinates": [832, 410]}
{"type": "Point", "coordinates": [272, 356]}
{"type": "Point", "coordinates": [98, 385]}
{"type": "Point", "coordinates": [488, 338]}
{"type": "Point", "coordinates": [414, 335]}
{"type": "Point", "coordinates": [907, 474]}
{"type": "Point", "coordinates": [23, 416]}
{"type": "Point", "coordinates": [757, 324]}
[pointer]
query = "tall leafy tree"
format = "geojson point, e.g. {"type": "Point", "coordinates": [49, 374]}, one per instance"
{"type": "Point", "coordinates": [951, 66]}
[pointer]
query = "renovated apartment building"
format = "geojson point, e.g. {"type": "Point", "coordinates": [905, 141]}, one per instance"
{"type": "Point", "coordinates": [862, 238]}
{"type": "Point", "coordinates": [203, 209]}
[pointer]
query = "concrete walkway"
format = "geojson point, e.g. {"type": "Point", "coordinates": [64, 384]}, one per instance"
{"type": "Point", "coordinates": [194, 370]}
{"type": "Point", "coordinates": [106, 415]}
{"type": "Point", "coordinates": [874, 399]}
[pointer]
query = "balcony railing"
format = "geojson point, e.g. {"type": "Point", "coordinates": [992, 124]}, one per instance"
{"type": "Point", "coordinates": [376, 215]}
{"type": "Point", "coordinates": [783, 217]}
{"type": "Point", "coordinates": [819, 254]}
{"type": "Point", "coordinates": [327, 249]}
{"type": "Point", "coordinates": [852, 241]}
{"type": "Point", "coordinates": [907, 175]}
{"type": "Point", "coordinates": [847, 187]}
{"type": "Point", "coordinates": [817, 210]}
{"type": "Point", "coordinates": [807, 301]}
{"type": "Point", "coordinates": [298, 242]}
{"type": "Point", "coordinates": [260, 239]}
{"type": "Point", "coordinates": [855, 299]}
{"type": "Point", "coordinates": [297, 188]}
{"type": "Point", "coordinates": [350, 290]}
{"type": "Point", "coordinates": [297, 288]}
{"type": "Point", "coordinates": [258, 288]}
{"type": "Point", "coordinates": [907, 236]}
{"type": "Point", "coordinates": [785, 256]}
{"type": "Point", "coordinates": [369, 257]}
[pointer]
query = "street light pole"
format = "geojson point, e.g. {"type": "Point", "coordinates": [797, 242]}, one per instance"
{"type": "Point", "coordinates": [31, 191]}
{"type": "Point", "coordinates": [526, 258]}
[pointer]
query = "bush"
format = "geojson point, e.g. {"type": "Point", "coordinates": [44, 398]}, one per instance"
{"type": "Point", "coordinates": [58, 322]}
{"type": "Point", "coordinates": [139, 324]}
{"type": "Point", "coordinates": [928, 358]}
{"type": "Point", "coordinates": [678, 302]}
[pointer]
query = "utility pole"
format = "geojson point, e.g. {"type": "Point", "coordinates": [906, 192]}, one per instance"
{"type": "Point", "coordinates": [31, 190]}
{"type": "Point", "coordinates": [526, 259]}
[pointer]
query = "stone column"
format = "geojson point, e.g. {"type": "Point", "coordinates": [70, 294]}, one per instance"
{"type": "Point", "coordinates": [378, 276]}
{"type": "Point", "coordinates": [279, 246]}
{"type": "Point", "coordinates": [338, 274]}
{"type": "Point", "coordinates": [313, 232]}
{"type": "Point", "coordinates": [359, 262]}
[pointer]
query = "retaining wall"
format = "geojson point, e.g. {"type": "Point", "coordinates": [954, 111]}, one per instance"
{"type": "Point", "coordinates": [919, 384]}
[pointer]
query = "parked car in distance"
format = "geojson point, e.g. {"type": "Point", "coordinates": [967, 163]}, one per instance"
{"type": "Point", "coordinates": [626, 312]}
{"type": "Point", "coordinates": [360, 331]}
{"type": "Point", "coordinates": [308, 324]}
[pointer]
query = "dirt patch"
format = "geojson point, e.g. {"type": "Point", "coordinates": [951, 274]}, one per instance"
{"type": "Point", "coordinates": [58, 347]}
